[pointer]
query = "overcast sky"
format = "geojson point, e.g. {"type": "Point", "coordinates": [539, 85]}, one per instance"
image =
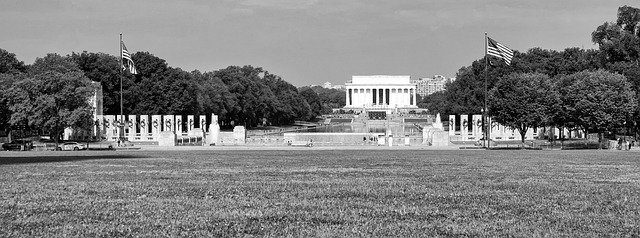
{"type": "Point", "coordinates": [304, 41]}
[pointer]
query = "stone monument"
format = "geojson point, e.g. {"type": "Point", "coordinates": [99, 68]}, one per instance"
{"type": "Point", "coordinates": [213, 137]}
{"type": "Point", "coordinates": [167, 138]}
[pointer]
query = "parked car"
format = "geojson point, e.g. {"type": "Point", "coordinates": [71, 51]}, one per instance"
{"type": "Point", "coordinates": [72, 146]}
{"type": "Point", "coordinates": [17, 145]}
{"type": "Point", "coordinates": [482, 142]}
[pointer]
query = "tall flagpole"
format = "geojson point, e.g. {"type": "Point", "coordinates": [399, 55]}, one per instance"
{"type": "Point", "coordinates": [486, 125]}
{"type": "Point", "coordinates": [120, 70]}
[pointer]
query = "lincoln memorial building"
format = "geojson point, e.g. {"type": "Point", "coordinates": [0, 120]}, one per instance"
{"type": "Point", "coordinates": [380, 92]}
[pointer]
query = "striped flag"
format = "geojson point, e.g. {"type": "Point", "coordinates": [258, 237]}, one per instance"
{"type": "Point", "coordinates": [127, 62]}
{"type": "Point", "coordinates": [499, 50]}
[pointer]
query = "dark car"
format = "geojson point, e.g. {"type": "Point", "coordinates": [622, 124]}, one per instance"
{"type": "Point", "coordinates": [17, 145]}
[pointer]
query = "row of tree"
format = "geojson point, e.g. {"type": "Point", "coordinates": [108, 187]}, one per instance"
{"type": "Point", "coordinates": [591, 90]}
{"type": "Point", "coordinates": [53, 92]}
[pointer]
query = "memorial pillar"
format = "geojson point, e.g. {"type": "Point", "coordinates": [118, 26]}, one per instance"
{"type": "Point", "coordinates": [109, 122]}
{"type": "Point", "coordinates": [119, 126]}
{"type": "Point", "coordinates": [156, 126]}
{"type": "Point", "coordinates": [464, 129]}
{"type": "Point", "coordinates": [167, 122]}
{"type": "Point", "coordinates": [179, 127]}
{"type": "Point", "coordinates": [477, 126]}
{"type": "Point", "coordinates": [132, 126]}
{"type": "Point", "coordinates": [203, 123]}
{"type": "Point", "coordinates": [144, 127]}
{"type": "Point", "coordinates": [214, 131]}
{"type": "Point", "coordinates": [190, 123]}
{"type": "Point", "coordinates": [452, 125]}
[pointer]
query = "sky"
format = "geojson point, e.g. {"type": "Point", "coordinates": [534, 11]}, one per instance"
{"type": "Point", "coordinates": [306, 42]}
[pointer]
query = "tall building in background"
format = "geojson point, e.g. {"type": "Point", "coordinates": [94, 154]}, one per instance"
{"type": "Point", "coordinates": [428, 86]}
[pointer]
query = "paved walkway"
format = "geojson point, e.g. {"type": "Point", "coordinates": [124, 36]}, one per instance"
{"type": "Point", "coordinates": [283, 147]}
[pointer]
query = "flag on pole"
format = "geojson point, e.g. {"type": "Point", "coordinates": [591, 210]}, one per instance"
{"type": "Point", "coordinates": [499, 50]}
{"type": "Point", "coordinates": [127, 62]}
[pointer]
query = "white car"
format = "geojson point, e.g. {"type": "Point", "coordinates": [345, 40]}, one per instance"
{"type": "Point", "coordinates": [72, 146]}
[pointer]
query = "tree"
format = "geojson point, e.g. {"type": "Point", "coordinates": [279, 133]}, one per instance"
{"type": "Point", "coordinates": [9, 64]}
{"type": "Point", "coordinates": [523, 101]}
{"type": "Point", "coordinates": [435, 102]}
{"type": "Point", "coordinates": [11, 69]}
{"type": "Point", "coordinates": [52, 101]}
{"type": "Point", "coordinates": [103, 68]}
{"type": "Point", "coordinates": [329, 98]}
{"type": "Point", "coordinates": [213, 95]}
{"type": "Point", "coordinates": [53, 63]}
{"type": "Point", "coordinates": [312, 98]}
{"type": "Point", "coordinates": [619, 45]}
{"type": "Point", "coordinates": [598, 101]}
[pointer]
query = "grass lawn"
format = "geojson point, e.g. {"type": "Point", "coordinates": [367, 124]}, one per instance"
{"type": "Point", "coordinates": [320, 193]}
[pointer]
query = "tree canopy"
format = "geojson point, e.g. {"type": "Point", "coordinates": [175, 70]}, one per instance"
{"type": "Point", "coordinates": [523, 101]}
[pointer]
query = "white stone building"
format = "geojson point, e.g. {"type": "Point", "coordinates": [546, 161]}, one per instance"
{"type": "Point", "coordinates": [380, 92]}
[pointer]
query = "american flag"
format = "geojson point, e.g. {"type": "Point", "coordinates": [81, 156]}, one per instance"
{"type": "Point", "coordinates": [129, 62]}
{"type": "Point", "coordinates": [499, 50]}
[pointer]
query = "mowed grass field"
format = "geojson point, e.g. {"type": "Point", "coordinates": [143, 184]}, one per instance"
{"type": "Point", "coordinates": [320, 193]}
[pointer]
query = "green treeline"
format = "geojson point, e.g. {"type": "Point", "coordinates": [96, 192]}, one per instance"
{"type": "Point", "coordinates": [589, 90]}
{"type": "Point", "coordinates": [51, 94]}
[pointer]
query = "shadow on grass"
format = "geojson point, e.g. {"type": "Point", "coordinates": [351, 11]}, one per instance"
{"type": "Point", "coordinates": [62, 158]}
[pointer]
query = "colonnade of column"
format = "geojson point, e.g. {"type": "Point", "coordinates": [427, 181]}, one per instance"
{"type": "Point", "coordinates": [403, 96]}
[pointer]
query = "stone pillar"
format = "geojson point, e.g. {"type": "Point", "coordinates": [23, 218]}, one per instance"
{"type": "Point", "coordinates": [179, 122]}
{"type": "Point", "coordinates": [384, 96]}
{"type": "Point", "coordinates": [392, 99]}
{"type": "Point", "coordinates": [132, 128]}
{"type": "Point", "coordinates": [239, 135]}
{"type": "Point", "coordinates": [168, 123]}
{"type": "Point", "coordinates": [405, 97]}
{"type": "Point", "coordinates": [347, 103]}
{"type": "Point", "coordinates": [98, 128]}
{"type": "Point", "coordinates": [190, 123]}
{"type": "Point", "coordinates": [203, 122]}
{"type": "Point", "coordinates": [415, 97]}
{"type": "Point", "coordinates": [464, 127]}
{"type": "Point", "coordinates": [213, 137]}
{"type": "Point", "coordinates": [144, 127]}
{"type": "Point", "coordinates": [374, 96]}
{"type": "Point", "coordinates": [156, 126]}
{"type": "Point", "coordinates": [107, 125]}
{"type": "Point", "coordinates": [119, 126]}
{"type": "Point", "coordinates": [452, 125]}
{"type": "Point", "coordinates": [477, 126]}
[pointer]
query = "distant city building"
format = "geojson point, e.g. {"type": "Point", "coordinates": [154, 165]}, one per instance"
{"type": "Point", "coordinates": [428, 86]}
{"type": "Point", "coordinates": [330, 86]}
